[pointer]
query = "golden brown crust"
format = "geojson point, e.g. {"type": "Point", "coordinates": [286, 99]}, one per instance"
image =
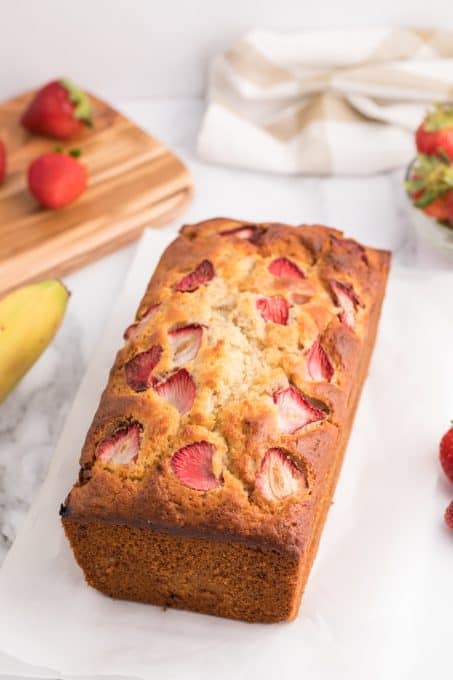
{"type": "Point", "coordinates": [242, 363]}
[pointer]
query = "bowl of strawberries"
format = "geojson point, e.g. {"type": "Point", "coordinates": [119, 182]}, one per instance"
{"type": "Point", "coordinates": [429, 178]}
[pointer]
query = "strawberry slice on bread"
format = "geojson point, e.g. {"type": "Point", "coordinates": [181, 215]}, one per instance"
{"type": "Point", "coordinates": [274, 308]}
{"type": "Point", "coordinates": [345, 297]}
{"type": "Point", "coordinates": [202, 274]}
{"type": "Point", "coordinates": [185, 343]}
{"type": "Point", "coordinates": [279, 476]}
{"type": "Point", "coordinates": [319, 366]}
{"type": "Point", "coordinates": [179, 390]}
{"type": "Point", "coordinates": [295, 411]}
{"type": "Point", "coordinates": [139, 368]}
{"type": "Point", "coordinates": [134, 329]}
{"type": "Point", "coordinates": [121, 447]}
{"type": "Point", "coordinates": [192, 465]}
{"type": "Point", "coordinates": [284, 268]}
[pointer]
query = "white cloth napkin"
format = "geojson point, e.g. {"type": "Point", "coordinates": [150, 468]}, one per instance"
{"type": "Point", "coordinates": [331, 102]}
{"type": "Point", "coordinates": [378, 602]}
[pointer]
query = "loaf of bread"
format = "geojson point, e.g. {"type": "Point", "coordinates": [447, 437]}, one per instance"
{"type": "Point", "coordinates": [210, 464]}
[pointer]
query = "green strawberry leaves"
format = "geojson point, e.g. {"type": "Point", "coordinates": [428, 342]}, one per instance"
{"type": "Point", "coordinates": [429, 178]}
{"type": "Point", "coordinates": [440, 117]}
{"type": "Point", "coordinates": [75, 153]}
{"type": "Point", "coordinates": [82, 103]}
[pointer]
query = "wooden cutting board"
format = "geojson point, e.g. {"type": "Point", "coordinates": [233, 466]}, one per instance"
{"type": "Point", "coordinates": [134, 181]}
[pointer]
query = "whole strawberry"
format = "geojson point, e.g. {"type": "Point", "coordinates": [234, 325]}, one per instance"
{"type": "Point", "coordinates": [434, 137]}
{"type": "Point", "coordinates": [430, 185]}
{"type": "Point", "coordinates": [56, 179]}
{"type": "Point", "coordinates": [446, 453]}
{"type": "Point", "coordinates": [58, 110]}
{"type": "Point", "coordinates": [2, 161]}
{"type": "Point", "coordinates": [449, 516]}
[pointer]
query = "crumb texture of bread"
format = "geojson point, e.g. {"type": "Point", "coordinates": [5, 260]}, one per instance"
{"type": "Point", "coordinates": [208, 470]}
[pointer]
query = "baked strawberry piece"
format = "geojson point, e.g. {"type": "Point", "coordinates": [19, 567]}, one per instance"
{"type": "Point", "coordinates": [59, 109]}
{"type": "Point", "coordinates": [284, 268]}
{"type": "Point", "coordinates": [56, 179]}
{"type": "Point", "coordinates": [179, 390]}
{"type": "Point", "coordinates": [202, 274]}
{"type": "Point", "coordinates": [139, 369]}
{"type": "Point", "coordinates": [294, 410]}
{"type": "Point", "coordinates": [122, 447]}
{"type": "Point", "coordinates": [319, 366]}
{"type": "Point", "coordinates": [247, 232]}
{"type": "Point", "coordinates": [134, 329]}
{"type": "Point", "coordinates": [185, 343]}
{"type": "Point", "coordinates": [279, 476]}
{"type": "Point", "coordinates": [192, 465]}
{"type": "Point", "coordinates": [345, 297]}
{"type": "Point", "coordinates": [435, 134]}
{"type": "Point", "coordinates": [274, 308]}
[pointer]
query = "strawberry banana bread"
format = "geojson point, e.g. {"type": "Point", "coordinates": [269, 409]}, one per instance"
{"type": "Point", "coordinates": [209, 468]}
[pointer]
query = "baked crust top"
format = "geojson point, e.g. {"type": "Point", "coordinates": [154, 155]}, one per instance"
{"type": "Point", "coordinates": [225, 407]}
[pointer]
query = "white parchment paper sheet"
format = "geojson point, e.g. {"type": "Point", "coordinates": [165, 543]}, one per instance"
{"type": "Point", "coordinates": [379, 602]}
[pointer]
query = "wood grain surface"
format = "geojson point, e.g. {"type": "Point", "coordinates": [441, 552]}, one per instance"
{"type": "Point", "coordinates": [134, 181]}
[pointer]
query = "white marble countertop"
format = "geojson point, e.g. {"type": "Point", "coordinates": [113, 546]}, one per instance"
{"type": "Point", "coordinates": [372, 209]}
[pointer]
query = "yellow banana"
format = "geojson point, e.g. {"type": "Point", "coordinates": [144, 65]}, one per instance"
{"type": "Point", "coordinates": [29, 318]}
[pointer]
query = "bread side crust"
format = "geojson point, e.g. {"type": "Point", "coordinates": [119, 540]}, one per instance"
{"type": "Point", "coordinates": [241, 524]}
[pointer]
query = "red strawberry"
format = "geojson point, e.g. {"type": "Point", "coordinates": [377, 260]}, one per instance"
{"type": "Point", "coordinates": [435, 134]}
{"type": "Point", "coordinates": [294, 410]}
{"type": "Point", "coordinates": [179, 389]}
{"type": "Point", "coordinates": [449, 516]}
{"type": "Point", "coordinates": [133, 330]}
{"type": "Point", "coordinates": [283, 267]}
{"type": "Point", "coordinates": [202, 274]}
{"type": "Point", "coordinates": [59, 110]}
{"type": "Point", "coordinates": [345, 298]}
{"type": "Point", "coordinates": [122, 446]}
{"type": "Point", "coordinates": [56, 179]}
{"type": "Point", "coordinates": [248, 232]}
{"type": "Point", "coordinates": [192, 465]}
{"type": "Point", "coordinates": [438, 207]}
{"type": "Point", "coordinates": [185, 343]}
{"type": "Point", "coordinates": [279, 476]}
{"type": "Point", "coordinates": [318, 363]}
{"type": "Point", "coordinates": [274, 309]}
{"type": "Point", "coordinates": [2, 161]}
{"type": "Point", "coordinates": [449, 206]}
{"type": "Point", "coordinates": [139, 368]}
{"type": "Point", "coordinates": [430, 185]}
{"type": "Point", "coordinates": [446, 453]}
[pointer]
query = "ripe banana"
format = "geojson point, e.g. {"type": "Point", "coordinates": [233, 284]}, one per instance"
{"type": "Point", "coordinates": [29, 318]}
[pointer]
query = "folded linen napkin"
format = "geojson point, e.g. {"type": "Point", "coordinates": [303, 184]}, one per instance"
{"type": "Point", "coordinates": [331, 102]}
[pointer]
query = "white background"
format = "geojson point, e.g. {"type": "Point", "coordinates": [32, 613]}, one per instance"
{"type": "Point", "coordinates": [141, 48]}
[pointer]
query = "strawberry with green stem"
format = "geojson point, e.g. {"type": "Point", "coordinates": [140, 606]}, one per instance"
{"type": "Point", "coordinates": [434, 137]}
{"type": "Point", "coordinates": [430, 185]}
{"type": "Point", "coordinates": [59, 109]}
{"type": "Point", "coordinates": [56, 179]}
